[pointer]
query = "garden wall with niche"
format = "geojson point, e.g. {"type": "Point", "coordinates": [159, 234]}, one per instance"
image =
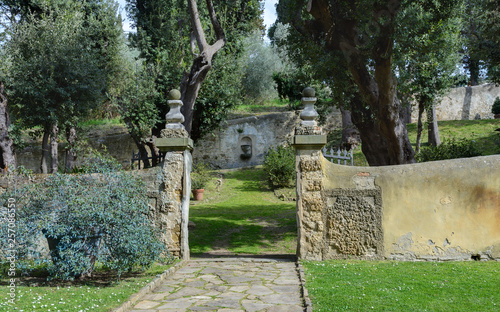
{"type": "Point", "coordinates": [256, 134]}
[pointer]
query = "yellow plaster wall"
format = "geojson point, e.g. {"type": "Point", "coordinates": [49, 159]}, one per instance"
{"type": "Point", "coordinates": [436, 210]}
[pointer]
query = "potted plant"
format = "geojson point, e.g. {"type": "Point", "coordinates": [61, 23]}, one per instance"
{"type": "Point", "coordinates": [495, 109]}
{"type": "Point", "coordinates": [200, 176]}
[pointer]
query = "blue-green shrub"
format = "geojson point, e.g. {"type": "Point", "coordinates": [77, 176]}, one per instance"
{"type": "Point", "coordinates": [449, 149]}
{"type": "Point", "coordinates": [279, 166]}
{"type": "Point", "coordinates": [86, 218]}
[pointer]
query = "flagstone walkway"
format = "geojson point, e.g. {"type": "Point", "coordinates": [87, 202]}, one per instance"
{"type": "Point", "coordinates": [228, 285]}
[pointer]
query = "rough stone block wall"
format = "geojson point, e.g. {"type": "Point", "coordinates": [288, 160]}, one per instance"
{"type": "Point", "coordinates": [353, 223]}
{"type": "Point", "coordinates": [310, 207]}
{"type": "Point", "coordinates": [164, 188]}
{"type": "Point", "coordinates": [443, 210]}
{"type": "Point", "coordinates": [335, 223]}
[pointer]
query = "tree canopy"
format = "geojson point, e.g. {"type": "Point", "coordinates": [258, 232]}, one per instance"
{"type": "Point", "coordinates": [61, 58]}
{"type": "Point", "coordinates": [427, 57]}
{"type": "Point", "coordinates": [372, 52]}
{"type": "Point", "coordinates": [169, 36]}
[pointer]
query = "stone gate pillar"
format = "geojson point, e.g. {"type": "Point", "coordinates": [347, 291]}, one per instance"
{"type": "Point", "coordinates": [172, 215]}
{"type": "Point", "coordinates": [308, 142]}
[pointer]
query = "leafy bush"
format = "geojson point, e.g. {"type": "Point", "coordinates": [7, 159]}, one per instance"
{"type": "Point", "coordinates": [86, 219]}
{"type": "Point", "coordinates": [200, 176]}
{"type": "Point", "coordinates": [279, 165]}
{"type": "Point", "coordinates": [495, 109]}
{"type": "Point", "coordinates": [450, 149]}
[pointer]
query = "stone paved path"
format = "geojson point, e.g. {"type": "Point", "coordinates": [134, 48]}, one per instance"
{"type": "Point", "coordinates": [228, 285]}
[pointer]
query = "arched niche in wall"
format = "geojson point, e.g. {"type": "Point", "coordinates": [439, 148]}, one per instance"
{"type": "Point", "coordinates": [246, 147]}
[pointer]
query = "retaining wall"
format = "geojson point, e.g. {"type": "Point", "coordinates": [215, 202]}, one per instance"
{"type": "Point", "coordinates": [223, 149]}
{"type": "Point", "coordinates": [466, 103]}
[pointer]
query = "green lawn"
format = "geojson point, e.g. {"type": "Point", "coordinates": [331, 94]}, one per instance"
{"type": "Point", "coordinates": [481, 131]}
{"type": "Point", "coordinates": [243, 216]}
{"type": "Point", "coordinates": [271, 106]}
{"type": "Point", "coordinates": [343, 285]}
{"type": "Point", "coordinates": [101, 293]}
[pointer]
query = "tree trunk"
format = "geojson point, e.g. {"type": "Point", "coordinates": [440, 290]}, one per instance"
{"type": "Point", "coordinates": [373, 144]}
{"type": "Point", "coordinates": [379, 92]}
{"type": "Point", "coordinates": [7, 155]}
{"type": "Point", "coordinates": [373, 76]}
{"type": "Point", "coordinates": [350, 135]}
{"type": "Point", "coordinates": [406, 112]}
{"type": "Point", "coordinates": [53, 149]}
{"type": "Point", "coordinates": [190, 88]}
{"type": "Point", "coordinates": [143, 152]}
{"type": "Point", "coordinates": [419, 126]}
{"type": "Point", "coordinates": [70, 158]}
{"type": "Point", "coordinates": [191, 83]}
{"type": "Point", "coordinates": [386, 118]}
{"type": "Point", "coordinates": [432, 127]}
{"type": "Point", "coordinates": [474, 72]}
{"type": "Point", "coordinates": [155, 152]}
{"type": "Point", "coordinates": [45, 151]}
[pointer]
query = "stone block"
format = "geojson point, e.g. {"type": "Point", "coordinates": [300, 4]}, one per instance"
{"type": "Point", "coordinates": [313, 185]}
{"type": "Point", "coordinates": [310, 164]}
{"type": "Point", "coordinates": [312, 201]}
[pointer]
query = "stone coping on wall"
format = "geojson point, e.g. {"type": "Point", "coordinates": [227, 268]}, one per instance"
{"type": "Point", "coordinates": [174, 144]}
{"type": "Point", "coordinates": [309, 141]}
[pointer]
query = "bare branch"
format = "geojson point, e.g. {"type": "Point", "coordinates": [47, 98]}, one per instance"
{"type": "Point", "coordinates": [193, 44]}
{"type": "Point", "coordinates": [219, 32]}
{"type": "Point", "coordinates": [196, 24]}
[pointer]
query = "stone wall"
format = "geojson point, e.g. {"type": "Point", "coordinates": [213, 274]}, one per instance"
{"type": "Point", "coordinates": [466, 103]}
{"type": "Point", "coordinates": [114, 139]}
{"type": "Point", "coordinates": [443, 210]}
{"type": "Point", "coordinates": [164, 189]}
{"type": "Point", "coordinates": [223, 149]}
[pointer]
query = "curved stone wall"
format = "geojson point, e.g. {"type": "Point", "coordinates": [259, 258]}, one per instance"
{"type": "Point", "coordinates": [443, 210]}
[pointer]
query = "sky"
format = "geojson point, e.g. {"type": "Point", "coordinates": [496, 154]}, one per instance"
{"type": "Point", "coordinates": [269, 14]}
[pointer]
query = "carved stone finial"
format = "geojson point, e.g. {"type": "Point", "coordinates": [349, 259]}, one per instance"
{"type": "Point", "coordinates": [174, 94]}
{"type": "Point", "coordinates": [174, 118]}
{"type": "Point", "coordinates": [308, 92]}
{"type": "Point", "coordinates": [309, 114]}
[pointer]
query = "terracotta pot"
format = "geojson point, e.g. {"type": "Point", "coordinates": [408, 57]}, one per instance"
{"type": "Point", "coordinates": [198, 194]}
